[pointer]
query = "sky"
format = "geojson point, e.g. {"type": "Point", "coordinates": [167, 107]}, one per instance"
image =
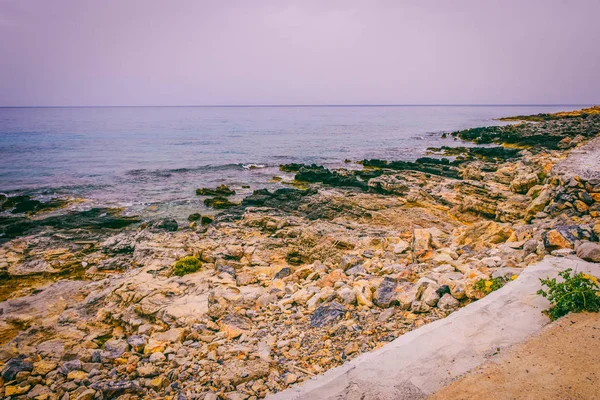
{"type": "Point", "coordinates": [253, 52]}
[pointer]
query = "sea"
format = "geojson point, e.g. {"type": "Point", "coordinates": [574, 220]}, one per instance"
{"type": "Point", "coordinates": [150, 160]}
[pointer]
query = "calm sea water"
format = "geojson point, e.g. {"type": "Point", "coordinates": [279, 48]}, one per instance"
{"type": "Point", "coordinates": [157, 156]}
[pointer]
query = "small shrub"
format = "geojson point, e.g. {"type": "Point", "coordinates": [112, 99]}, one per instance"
{"type": "Point", "coordinates": [576, 293]}
{"type": "Point", "coordinates": [489, 285]}
{"type": "Point", "coordinates": [186, 265]}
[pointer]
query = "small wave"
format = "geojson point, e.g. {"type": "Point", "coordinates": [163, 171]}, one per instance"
{"type": "Point", "coordinates": [254, 166]}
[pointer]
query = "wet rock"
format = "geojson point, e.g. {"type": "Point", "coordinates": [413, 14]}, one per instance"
{"type": "Point", "coordinates": [14, 366]}
{"type": "Point", "coordinates": [194, 217]}
{"type": "Point", "coordinates": [219, 203]}
{"type": "Point", "coordinates": [221, 190]}
{"type": "Point", "coordinates": [169, 225]}
{"type": "Point", "coordinates": [589, 252]}
{"type": "Point", "coordinates": [326, 314]}
{"type": "Point", "coordinates": [316, 173]}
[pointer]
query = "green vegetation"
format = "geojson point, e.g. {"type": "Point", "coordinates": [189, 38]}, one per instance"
{"type": "Point", "coordinates": [576, 293]}
{"type": "Point", "coordinates": [186, 265]}
{"type": "Point", "coordinates": [489, 285]}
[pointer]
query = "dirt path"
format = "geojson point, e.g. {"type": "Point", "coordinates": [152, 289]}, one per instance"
{"type": "Point", "coordinates": [561, 362]}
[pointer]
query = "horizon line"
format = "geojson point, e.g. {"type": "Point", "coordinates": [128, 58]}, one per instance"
{"type": "Point", "coordinates": [313, 105]}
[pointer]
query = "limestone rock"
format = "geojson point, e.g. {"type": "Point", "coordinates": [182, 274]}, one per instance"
{"type": "Point", "coordinates": [385, 295]}
{"type": "Point", "coordinates": [448, 303]}
{"type": "Point", "coordinates": [553, 240]}
{"type": "Point", "coordinates": [326, 314]}
{"type": "Point", "coordinates": [523, 183]}
{"type": "Point", "coordinates": [589, 252]}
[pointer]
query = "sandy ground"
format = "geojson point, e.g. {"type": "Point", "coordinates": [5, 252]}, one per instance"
{"type": "Point", "coordinates": [561, 362]}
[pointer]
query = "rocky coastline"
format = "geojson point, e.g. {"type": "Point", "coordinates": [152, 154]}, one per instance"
{"type": "Point", "coordinates": [287, 283]}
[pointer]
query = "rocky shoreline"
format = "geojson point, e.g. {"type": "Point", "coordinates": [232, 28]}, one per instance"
{"type": "Point", "coordinates": [289, 283]}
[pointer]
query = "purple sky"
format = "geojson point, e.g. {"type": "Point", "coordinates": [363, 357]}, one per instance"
{"type": "Point", "coordinates": [178, 52]}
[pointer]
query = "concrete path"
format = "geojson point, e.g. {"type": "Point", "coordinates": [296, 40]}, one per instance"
{"type": "Point", "coordinates": [421, 362]}
{"type": "Point", "coordinates": [561, 362]}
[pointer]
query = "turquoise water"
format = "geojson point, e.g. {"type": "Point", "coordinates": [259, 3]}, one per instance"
{"type": "Point", "coordinates": [141, 156]}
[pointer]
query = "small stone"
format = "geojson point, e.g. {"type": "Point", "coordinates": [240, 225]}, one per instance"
{"type": "Point", "coordinates": [174, 335]}
{"type": "Point", "coordinates": [282, 273]}
{"type": "Point", "coordinates": [421, 241]}
{"type": "Point", "coordinates": [38, 392]}
{"type": "Point", "coordinates": [157, 357]}
{"type": "Point", "coordinates": [43, 367]}
{"type": "Point", "coordinates": [136, 342]}
{"type": "Point", "coordinates": [154, 346]}
{"type": "Point", "coordinates": [147, 371]}
{"type": "Point", "coordinates": [580, 206]}
{"type": "Point", "coordinates": [114, 348]}
{"type": "Point", "coordinates": [385, 295]}
{"type": "Point", "coordinates": [430, 296]}
{"type": "Point", "coordinates": [419, 306]}
{"type": "Point", "coordinates": [347, 295]}
{"type": "Point", "coordinates": [77, 375]}
{"type": "Point", "coordinates": [16, 390]}
{"type": "Point", "coordinates": [448, 303]}
{"type": "Point", "coordinates": [290, 379]}
{"type": "Point", "coordinates": [326, 314]}
{"type": "Point", "coordinates": [351, 348]}
{"type": "Point", "coordinates": [401, 247]}
{"type": "Point", "coordinates": [158, 383]}
{"type": "Point", "coordinates": [349, 260]}
{"type": "Point", "coordinates": [87, 394]}
{"type": "Point", "coordinates": [244, 278]}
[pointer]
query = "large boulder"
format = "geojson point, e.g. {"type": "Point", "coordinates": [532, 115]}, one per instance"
{"type": "Point", "coordinates": [589, 252]}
